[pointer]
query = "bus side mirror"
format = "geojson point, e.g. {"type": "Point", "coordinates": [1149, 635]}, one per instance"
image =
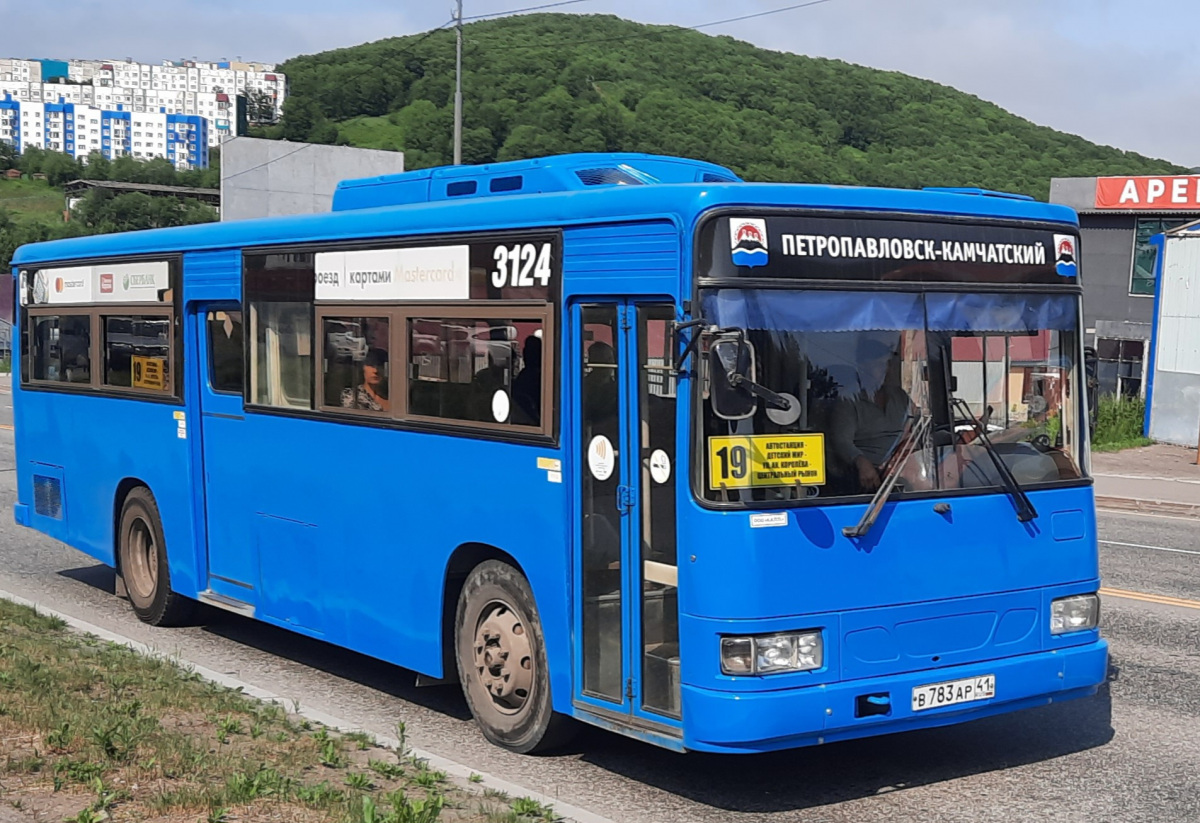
{"type": "Point", "coordinates": [730, 355]}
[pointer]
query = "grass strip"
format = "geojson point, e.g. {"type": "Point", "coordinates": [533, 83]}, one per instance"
{"type": "Point", "coordinates": [92, 731]}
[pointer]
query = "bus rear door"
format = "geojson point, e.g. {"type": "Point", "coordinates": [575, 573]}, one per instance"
{"type": "Point", "coordinates": [232, 553]}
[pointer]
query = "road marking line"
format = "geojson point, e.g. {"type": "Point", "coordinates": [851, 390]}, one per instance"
{"type": "Point", "coordinates": [465, 773]}
{"type": "Point", "coordinates": [1156, 548]}
{"type": "Point", "coordinates": [1162, 600]}
{"type": "Point", "coordinates": [1132, 513]}
{"type": "Point", "coordinates": [1148, 477]}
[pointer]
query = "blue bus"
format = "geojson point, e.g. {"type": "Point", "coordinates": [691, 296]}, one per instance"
{"type": "Point", "coordinates": [612, 438]}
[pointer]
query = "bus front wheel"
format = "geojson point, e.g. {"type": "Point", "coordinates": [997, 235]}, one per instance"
{"type": "Point", "coordinates": [142, 554]}
{"type": "Point", "coordinates": [502, 661]}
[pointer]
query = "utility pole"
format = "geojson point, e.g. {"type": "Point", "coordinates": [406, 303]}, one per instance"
{"type": "Point", "coordinates": [458, 91]}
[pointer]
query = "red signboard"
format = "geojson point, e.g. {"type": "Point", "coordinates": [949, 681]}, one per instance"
{"type": "Point", "coordinates": [1149, 193]}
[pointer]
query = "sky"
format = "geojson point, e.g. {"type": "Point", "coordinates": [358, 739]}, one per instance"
{"type": "Point", "coordinates": [1116, 72]}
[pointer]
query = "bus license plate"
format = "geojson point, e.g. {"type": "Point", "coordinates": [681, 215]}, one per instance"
{"type": "Point", "coordinates": [953, 691]}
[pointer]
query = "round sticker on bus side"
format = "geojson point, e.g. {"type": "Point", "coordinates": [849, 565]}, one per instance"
{"type": "Point", "coordinates": [602, 457]}
{"type": "Point", "coordinates": [660, 466]}
{"type": "Point", "coordinates": [500, 406]}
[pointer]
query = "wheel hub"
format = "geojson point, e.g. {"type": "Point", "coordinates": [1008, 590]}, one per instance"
{"type": "Point", "coordinates": [142, 573]}
{"type": "Point", "coordinates": [503, 657]}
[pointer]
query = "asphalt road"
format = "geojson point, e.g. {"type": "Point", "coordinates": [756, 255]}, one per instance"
{"type": "Point", "coordinates": [1130, 754]}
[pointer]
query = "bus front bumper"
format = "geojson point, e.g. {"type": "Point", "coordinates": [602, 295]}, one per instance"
{"type": "Point", "coordinates": [721, 721]}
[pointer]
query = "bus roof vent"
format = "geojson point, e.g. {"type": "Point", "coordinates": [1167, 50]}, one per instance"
{"type": "Point", "coordinates": [608, 177]}
{"type": "Point", "coordinates": [562, 173]}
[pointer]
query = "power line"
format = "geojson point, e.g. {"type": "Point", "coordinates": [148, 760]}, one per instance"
{"type": "Point", "coordinates": [661, 30]}
{"type": "Point", "coordinates": [522, 11]}
{"type": "Point", "coordinates": [267, 162]}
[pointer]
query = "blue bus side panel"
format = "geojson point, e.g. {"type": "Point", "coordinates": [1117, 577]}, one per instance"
{"type": "Point", "coordinates": [355, 526]}
{"type": "Point", "coordinates": [93, 443]}
{"type": "Point", "coordinates": [622, 259]}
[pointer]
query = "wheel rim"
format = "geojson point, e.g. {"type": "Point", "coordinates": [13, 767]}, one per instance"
{"type": "Point", "coordinates": [141, 572]}
{"type": "Point", "coordinates": [503, 657]}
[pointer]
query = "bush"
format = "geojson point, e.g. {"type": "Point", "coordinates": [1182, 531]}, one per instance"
{"type": "Point", "coordinates": [1119, 423]}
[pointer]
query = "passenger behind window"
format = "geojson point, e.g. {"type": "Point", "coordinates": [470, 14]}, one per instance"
{"type": "Point", "coordinates": [600, 384]}
{"type": "Point", "coordinates": [372, 393]}
{"type": "Point", "coordinates": [527, 387]}
{"type": "Point", "coordinates": [868, 425]}
{"type": "Point", "coordinates": [484, 385]}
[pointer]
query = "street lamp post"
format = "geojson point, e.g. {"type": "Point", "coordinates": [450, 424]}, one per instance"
{"type": "Point", "coordinates": [458, 90]}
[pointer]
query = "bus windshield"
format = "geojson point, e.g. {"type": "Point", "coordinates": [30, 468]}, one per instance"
{"type": "Point", "coordinates": [860, 371]}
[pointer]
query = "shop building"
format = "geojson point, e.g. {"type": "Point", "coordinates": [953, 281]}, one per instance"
{"type": "Point", "coordinates": [1118, 216]}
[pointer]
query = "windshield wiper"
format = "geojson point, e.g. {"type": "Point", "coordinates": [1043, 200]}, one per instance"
{"type": "Point", "coordinates": [888, 484]}
{"type": "Point", "coordinates": [1025, 509]}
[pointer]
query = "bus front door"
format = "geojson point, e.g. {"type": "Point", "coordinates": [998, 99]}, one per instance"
{"type": "Point", "coordinates": [627, 603]}
{"type": "Point", "coordinates": [232, 556]}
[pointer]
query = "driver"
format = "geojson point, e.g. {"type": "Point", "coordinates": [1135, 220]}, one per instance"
{"type": "Point", "coordinates": [867, 425]}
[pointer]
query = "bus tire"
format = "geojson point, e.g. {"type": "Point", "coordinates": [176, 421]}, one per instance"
{"type": "Point", "coordinates": [501, 657]}
{"type": "Point", "coordinates": [142, 554]}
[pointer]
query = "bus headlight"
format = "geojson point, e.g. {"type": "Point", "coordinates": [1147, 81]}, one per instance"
{"type": "Point", "coordinates": [1074, 614]}
{"type": "Point", "coordinates": [772, 653]}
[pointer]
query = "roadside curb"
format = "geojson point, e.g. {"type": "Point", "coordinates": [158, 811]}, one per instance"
{"type": "Point", "coordinates": [463, 773]}
{"type": "Point", "coordinates": [1133, 504]}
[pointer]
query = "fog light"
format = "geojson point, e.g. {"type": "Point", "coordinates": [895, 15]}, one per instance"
{"type": "Point", "coordinates": [737, 655]}
{"type": "Point", "coordinates": [772, 653]}
{"type": "Point", "coordinates": [1074, 614]}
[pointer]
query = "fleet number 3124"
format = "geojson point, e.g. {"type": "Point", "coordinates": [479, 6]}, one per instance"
{"type": "Point", "coordinates": [523, 264]}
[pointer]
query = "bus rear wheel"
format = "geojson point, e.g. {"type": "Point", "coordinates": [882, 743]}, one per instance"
{"type": "Point", "coordinates": [502, 661]}
{"type": "Point", "coordinates": [142, 554]}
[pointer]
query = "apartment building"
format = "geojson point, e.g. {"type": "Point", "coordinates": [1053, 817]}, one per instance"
{"type": "Point", "coordinates": [218, 92]}
{"type": "Point", "coordinates": [79, 130]}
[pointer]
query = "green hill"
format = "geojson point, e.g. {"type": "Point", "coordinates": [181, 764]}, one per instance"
{"type": "Point", "coordinates": [549, 83]}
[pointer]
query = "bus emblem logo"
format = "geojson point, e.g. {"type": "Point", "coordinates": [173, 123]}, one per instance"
{"type": "Point", "coordinates": [1064, 255]}
{"type": "Point", "coordinates": [748, 240]}
{"type": "Point", "coordinates": [106, 283]}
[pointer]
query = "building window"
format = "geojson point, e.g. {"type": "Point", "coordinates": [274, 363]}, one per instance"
{"type": "Point", "coordinates": [1141, 280]}
{"type": "Point", "coordinates": [1119, 366]}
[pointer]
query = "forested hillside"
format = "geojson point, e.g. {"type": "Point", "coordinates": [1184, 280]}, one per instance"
{"type": "Point", "coordinates": [31, 210]}
{"type": "Point", "coordinates": [550, 83]}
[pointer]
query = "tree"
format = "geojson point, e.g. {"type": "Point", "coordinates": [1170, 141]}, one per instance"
{"type": "Point", "coordinates": [547, 83]}
{"type": "Point", "coordinates": [260, 108]}
{"type": "Point", "coordinates": [97, 167]}
{"type": "Point", "coordinates": [59, 168]}
{"type": "Point", "coordinates": [8, 156]}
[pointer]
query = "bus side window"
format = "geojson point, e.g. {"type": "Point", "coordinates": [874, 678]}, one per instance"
{"type": "Point", "coordinates": [482, 370]}
{"type": "Point", "coordinates": [62, 348]}
{"type": "Point", "coordinates": [279, 296]}
{"type": "Point", "coordinates": [355, 363]}
{"type": "Point", "coordinates": [225, 351]}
